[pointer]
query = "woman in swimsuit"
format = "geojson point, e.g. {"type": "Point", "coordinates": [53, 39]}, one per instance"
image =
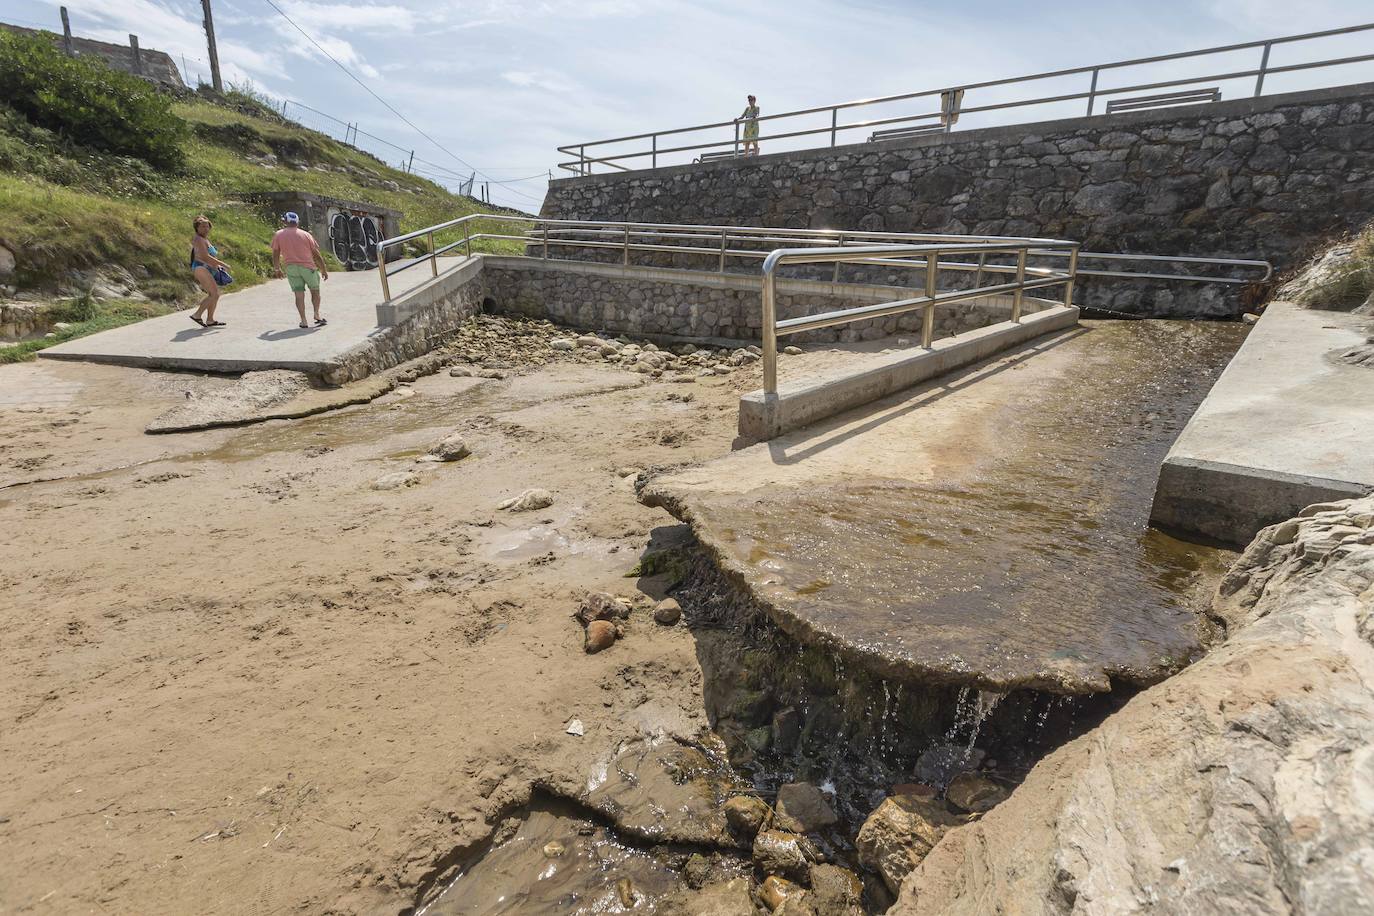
{"type": "Point", "coordinates": [203, 265]}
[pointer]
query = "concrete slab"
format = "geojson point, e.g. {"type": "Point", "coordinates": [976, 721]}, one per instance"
{"type": "Point", "coordinates": [261, 331]}
{"type": "Point", "coordinates": [985, 529]}
{"type": "Point", "coordinates": [802, 403]}
{"type": "Point", "coordinates": [1287, 425]}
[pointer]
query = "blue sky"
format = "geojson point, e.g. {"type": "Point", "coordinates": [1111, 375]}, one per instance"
{"type": "Point", "coordinates": [502, 83]}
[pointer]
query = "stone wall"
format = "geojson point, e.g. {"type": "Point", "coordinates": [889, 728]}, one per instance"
{"type": "Point", "coordinates": [413, 325]}
{"type": "Point", "coordinates": [658, 302]}
{"type": "Point", "coordinates": [1267, 178]}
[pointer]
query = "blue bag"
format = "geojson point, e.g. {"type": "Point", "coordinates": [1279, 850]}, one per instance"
{"type": "Point", "coordinates": [222, 276]}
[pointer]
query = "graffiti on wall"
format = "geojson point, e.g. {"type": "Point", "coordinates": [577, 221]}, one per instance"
{"type": "Point", "coordinates": [353, 238]}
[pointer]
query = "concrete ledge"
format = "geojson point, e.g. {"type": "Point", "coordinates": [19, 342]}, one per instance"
{"type": "Point", "coordinates": [800, 404]}
{"type": "Point", "coordinates": [414, 301]}
{"type": "Point", "coordinates": [1286, 425]}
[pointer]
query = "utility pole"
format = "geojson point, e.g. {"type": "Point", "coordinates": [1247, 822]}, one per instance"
{"type": "Point", "coordinates": [214, 52]}
{"type": "Point", "coordinates": [66, 32]}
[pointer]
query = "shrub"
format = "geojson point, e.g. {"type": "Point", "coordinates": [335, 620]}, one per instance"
{"type": "Point", "coordinates": [88, 103]}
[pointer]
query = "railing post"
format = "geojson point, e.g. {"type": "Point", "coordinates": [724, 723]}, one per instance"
{"type": "Point", "coordinates": [835, 278]}
{"type": "Point", "coordinates": [1020, 282]}
{"type": "Point", "coordinates": [1264, 65]}
{"type": "Point", "coordinates": [834, 124]}
{"type": "Point", "coordinates": [1092, 92]}
{"type": "Point", "coordinates": [653, 162]}
{"type": "Point", "coordinates": [770, 336]}
{"type": "Point", "coordinates": [467, 239]}
{"type": "Point", "coordinates": [722, 250]}
{"type": "Point", "coordinates": [627, 246]}
{"type": "Point", "coordinates": [928, 315]}
{"type": "Point", "coordinates": [1073, 275]}
{"type": "Point", "coordinates": [381, 269]}
{"type": "Point", "coordinates": [433, 258]}
{"type": "Point", "coordinates": [582, 163]}
{"type": "Point", "coordinates": [546, 241]}
{"type": "Point", "coordinates": [736, 136]}
{"type": "Point", "coordinates": [978, 274]}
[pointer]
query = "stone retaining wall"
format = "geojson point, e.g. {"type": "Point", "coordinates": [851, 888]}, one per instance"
{"type": "Point", "coordinates": [658, 302]}
{"type": "Point", "coordinates": [1267, 178]}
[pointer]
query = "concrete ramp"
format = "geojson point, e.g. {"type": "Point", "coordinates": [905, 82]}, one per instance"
{"type": "Point", "coordinates": [986, 529]}
{"type": "Point", "coordinates": [1290, 423]}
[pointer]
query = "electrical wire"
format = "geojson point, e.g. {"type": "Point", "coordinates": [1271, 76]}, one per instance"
{"type": "Point", "coordinates": [385, 103]}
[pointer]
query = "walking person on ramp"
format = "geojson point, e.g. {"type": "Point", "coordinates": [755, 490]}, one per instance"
{"type": "Point", "coordinates": [305, 266]}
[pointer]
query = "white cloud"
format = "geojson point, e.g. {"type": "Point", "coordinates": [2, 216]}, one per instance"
{"type": "Point", "coordinates": [361, 17]}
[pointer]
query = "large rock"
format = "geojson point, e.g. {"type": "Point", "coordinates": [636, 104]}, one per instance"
{"type": "Point", "coordinates": [899, 834]}
{"type": "Point", "coordinates": [528, 501]}
{"type": "Point", "coordinates": [1242, 785]}
{"type": "Point", "coordinates": [730, 898]}
{"type": "Point", "coordinates": [777, 852]}
{"type": "Point", "coordinates": [7, 263]}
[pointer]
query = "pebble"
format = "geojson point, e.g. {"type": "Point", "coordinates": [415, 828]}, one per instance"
{"type": "Point", "coordinates": [746, 814]}
{"type": "Point", "coordinates": [562, 343]}
{"type": "Point", "coordinates": [396, 481]}
{"type": "Point", "coordinates": [627, 471]}
{"type": "Point", "coordinates": [668, 612]}
{"type": "Point", "coordinates": [451, 449]}
{"type": "Point", "coordinates": [461, 372]}
{"type": "Point", "coordinates": [528, 501]}
{"type": "Point", "coordinates": [553, 849]}
{"type": "Point", "coordinates": [600, 635]}
{"type": "Point", "coordinates": [774, 891]}
{"type": "Point", "coordinates": [722, 370]}
{"type": "Point", "coordinates": [574, 727]}
{"type": "Point", "coordinates": [792, 351]}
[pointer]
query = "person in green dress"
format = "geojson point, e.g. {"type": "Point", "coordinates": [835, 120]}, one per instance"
{"type": "Point", "coordinates": [750, 117]}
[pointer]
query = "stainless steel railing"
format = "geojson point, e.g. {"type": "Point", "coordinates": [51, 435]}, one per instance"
{"type": "Point", "coordinates": [718, 246]}
{"type": "Point", "coordinates": [949, 103]}
{"type": "Point", "coordinates": [931, 258]}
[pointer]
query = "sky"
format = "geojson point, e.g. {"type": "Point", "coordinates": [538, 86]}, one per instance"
{"type": "Point", "coordinates": [500, 84]}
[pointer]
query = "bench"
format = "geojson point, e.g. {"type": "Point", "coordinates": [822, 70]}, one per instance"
{"type": "Point", "coordinates": [898, 133]}
{"type": "Point", "coordinates": [712, 157]}
{"type": "Point", "coordinates": [1166, 100]}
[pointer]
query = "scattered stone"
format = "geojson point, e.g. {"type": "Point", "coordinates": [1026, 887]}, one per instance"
{"type": "Point", "coordinates": [602, 606]}
{"type": "Point", "coordinates": [625, 890]}
{"type": "Point", "coordinates": [774, 891]}
{"type": "Point", "coordinates": [562, 343]}
{"type": "Point", "coordinates": [975, 793]}
{"type": "Point", "coordinates": [7, 263]}
{"type": "Point", "coordinates": [792, 351]}
{"type": "Point", "coordinates": [528, 501]}
{"type": "Point", "coordinates": [803, 808]}
{"type": "Point", "coordinates": [600, 635]}
{"type": "Point", "coordinates": [697, 871]}
{"type": "Point", "coordinates": [396, 481]}
{"type": "Point", "coordinates": [835, 891]}
{"type": "Point", "coordinates": [787, 727]}
{"type": "Point", "coordinates": [461, 372]}
{"type": "Point", "coordinates": [491, 373]}
{"type": "Point", "coordinates": [553, 849]}
{"type": "Point", "coordinates": [1249, 318]}
{"type": "Point", "coordinates": [731, 898]}
{"type": "Point", "coordinates": [628, 471]}
{"type": "Point", "coordinates": [777, 852]}
{"type": "Point", "coordinates": [589, 341]}
{"type": "Point", "coordinates": [721, 370]}
{"type": "Point", "coordinates": [746, 814]}
{"type": "Point", "coordinates": [668, 612]}
{"type": "Point", "coordinates": [453, 448]}
{"type": "Point", "coordinates": [899, 834]}
{"type": "Point", "coordinates": [759, 739]}
{"type": "Point", "coordinates": [575, 727]}
{"type": "Point", "coordinates": [915, 788]}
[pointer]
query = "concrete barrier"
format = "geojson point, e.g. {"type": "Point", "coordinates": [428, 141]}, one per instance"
{"type": "Point", "coordinates": [1287, 425]}
{"type": "Point", "coordinates": [799, 404]}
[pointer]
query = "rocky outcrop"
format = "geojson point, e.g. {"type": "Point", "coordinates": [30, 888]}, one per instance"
{"type": "Point", "coordinates": [1242, 785]}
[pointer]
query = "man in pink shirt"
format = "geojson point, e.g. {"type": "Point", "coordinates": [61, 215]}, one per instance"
{"type": "Point", "coordinates": [305, 265]}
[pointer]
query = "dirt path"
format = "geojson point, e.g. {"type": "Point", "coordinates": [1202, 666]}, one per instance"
{"type": "Point", "coordinates": [236, 679]}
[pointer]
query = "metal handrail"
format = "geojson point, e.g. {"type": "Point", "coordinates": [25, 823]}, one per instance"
{"type": "Point", "coordinates": [548, 235]}
{"type": "Point", "coordinates": [926, 256]}
{"type": "Point", "coordinates": [583, 164]}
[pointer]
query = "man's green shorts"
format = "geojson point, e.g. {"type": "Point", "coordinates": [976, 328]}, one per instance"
{"type": "Point", "coordinates": [302, 277]}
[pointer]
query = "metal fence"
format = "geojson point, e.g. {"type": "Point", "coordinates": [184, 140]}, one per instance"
{"type": "Point", "coordinates": [719, 248]}
{"type": "Point", "coordinates": [947, 104]}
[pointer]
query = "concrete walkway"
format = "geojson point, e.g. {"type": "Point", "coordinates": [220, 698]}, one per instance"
{"type": "Point", "coordinates": [261, 331]}
{"type": "Point", "coordinates": [1288, 424]}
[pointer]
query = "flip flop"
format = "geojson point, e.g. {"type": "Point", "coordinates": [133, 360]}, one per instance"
{"type": "Point", "coordinates": [303, 325]}
{"type": "Point", "coordinates": [320, 321]}
{"type": "Point", "coordinates": [197, 321]}
{"type": "Point", "coordinates": [215, 324]}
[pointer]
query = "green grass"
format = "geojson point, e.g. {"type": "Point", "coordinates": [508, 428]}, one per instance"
{"type": "Point", "coordinates": [85, 317]}
{"type": "Point", "coordinates": [1352, 282]}
{"type": "Point", "coordinates": [64, 207]}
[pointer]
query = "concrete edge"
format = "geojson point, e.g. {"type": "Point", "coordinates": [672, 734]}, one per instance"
{"type": "Point", "coordinates": [403, 307]}
{"type": "Point", "coordinates": [225, 366]}
{"type": "Point", "coordinates": [763, 417]}
{"type": "Point", "coordinates": [1231, 503]}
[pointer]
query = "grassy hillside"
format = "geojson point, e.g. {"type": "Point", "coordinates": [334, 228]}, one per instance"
{"type": "Point", "coordinates": [65, 208]}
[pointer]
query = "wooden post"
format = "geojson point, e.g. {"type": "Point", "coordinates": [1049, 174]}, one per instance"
{"type": "Point", "coordinates": [215, 81]}
{"type": "Point", "coordinates": [66, 32]}
{"type": "Point", "coordinates": [138, 60]}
